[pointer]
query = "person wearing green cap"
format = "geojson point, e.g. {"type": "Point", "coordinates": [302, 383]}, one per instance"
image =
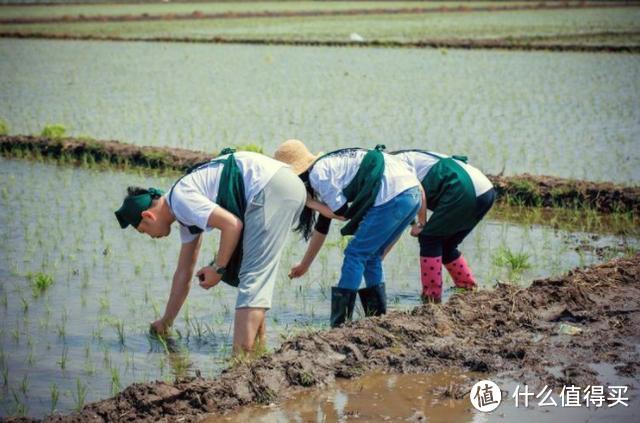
{"type": "Point", "coordinates": [254, 201]}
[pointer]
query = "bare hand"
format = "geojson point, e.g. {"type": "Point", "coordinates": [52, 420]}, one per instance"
{"type": "Point", "coordinates": [208, 277]}
{"type": "Point", "coordinates": [298, 270]}
{"type": "Point", "coordinates": [416, 229]}
{"type": "Point", "coordinates": [159, 328]}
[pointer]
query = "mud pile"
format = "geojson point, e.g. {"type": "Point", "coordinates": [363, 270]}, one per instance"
{"type": "Point", "coordinates": [509, 331]}
{"type": "Point", "coordinates": [527, 190]}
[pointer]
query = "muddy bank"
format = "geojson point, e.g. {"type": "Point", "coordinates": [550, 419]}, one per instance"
{"type": "Point", "coordinates": [549, 191]}
{"type": "Point", "coordinates": [465, 44]}
{"type": "Point", "coordinates": [196, 14]}
{"type": "Point", "coordinates": [526, 190]}
{"type": "Point", "coordinates": [510, 331]}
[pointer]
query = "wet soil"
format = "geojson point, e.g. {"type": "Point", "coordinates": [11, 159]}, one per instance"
{"type": "Point", "coordinates": [520, 44]}
{"type": "Point", "coordinates": [303, 13]}
{"type": "Point", "coordinates": [525, 190]}
{"type": "Point", "coordinates": [507, 332]}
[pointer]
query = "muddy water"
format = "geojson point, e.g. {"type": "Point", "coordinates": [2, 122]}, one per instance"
{"type": "Point", "coordinates": [441, 397]}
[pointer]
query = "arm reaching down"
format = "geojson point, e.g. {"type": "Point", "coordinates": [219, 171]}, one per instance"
{"type": "Point", "coordinates": [179, 286]}
{"type": "Point", "coordinates": [315, 244]}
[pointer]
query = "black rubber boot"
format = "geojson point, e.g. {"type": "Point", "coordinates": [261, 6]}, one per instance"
{"type": "Point", "coordinates": [374, 300]}
{"type": "Point", "coordinates": [342, 304]}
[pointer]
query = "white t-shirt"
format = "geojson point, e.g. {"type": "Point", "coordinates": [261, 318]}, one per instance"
{"type": "Point", "coordinates": [331, 175]}
{"type": "Point", "coordinates": [421, 163]}
{"type": "Point", "coordinates": [193, 198]}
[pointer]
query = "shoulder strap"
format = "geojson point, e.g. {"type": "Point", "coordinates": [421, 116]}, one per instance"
{"type": "Point", "coordinates": [193, 229]}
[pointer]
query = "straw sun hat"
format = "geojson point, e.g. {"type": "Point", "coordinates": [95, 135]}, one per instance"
{"type": "Point", "coordinates": [295, 154]}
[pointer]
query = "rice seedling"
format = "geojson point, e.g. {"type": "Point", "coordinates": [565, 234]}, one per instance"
{"type": "Point", "coordinates": [54, 131]}
{"type": "Point", "coordinates": [20, 407]}
{"type": "Point", "coordinates": [64, 357]}
{"type": "Point", "coordinates": [61, 329]}
{"type": "Point", "coordinates": [105, 304]}
{"type": "Point", "coordinates": [25, 305]}
{"type": "Point", "coordinates": [24, 385]}
{"type": "Point", "coordinates": [80, 394]}
{"type": "Point", "coordinates": [515, 262]}
{"type": "Point", "coordinates": [40, 282]}
{"type": "Point", "coordinates": [116, 385]}
{"type": "Point", "coordinates": [4, 128]}
{"type": "Point", "coordinates": [54, 394]}
{"type": "Point", "coordinates": [118, 325]}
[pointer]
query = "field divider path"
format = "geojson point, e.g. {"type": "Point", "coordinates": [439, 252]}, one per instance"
{"type": "Point", "coordinates": [506, 332]}
{"type": "Point", "coordinates": [304, 13]}
{"type": "Point", "coordinates": [524, 190]}
{"type": "Point", "coordinates": [465, 44]}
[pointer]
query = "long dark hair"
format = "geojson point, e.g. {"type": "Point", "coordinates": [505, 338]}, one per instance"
{"type": "Point", "coordinates": [307, 219]}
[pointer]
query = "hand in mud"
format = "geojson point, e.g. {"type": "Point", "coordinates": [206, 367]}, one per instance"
{"type": "Point", "coordinates": [298, 270]}
{"type": "Point", "coordinates": [208, 277]}
{"type": "Point", "coordinates": [159, 328]}
{"type": "Point", "coordinates": [416, 229]}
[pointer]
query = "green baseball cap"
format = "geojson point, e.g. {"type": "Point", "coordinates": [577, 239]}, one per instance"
{"type": "Point", "coordinates": [130, 213]}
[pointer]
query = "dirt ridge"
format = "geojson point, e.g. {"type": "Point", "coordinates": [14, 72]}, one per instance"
{"type": "Point", "coordinates": [464, 44]}
{"type": "Point", "coordinates": [196, 14]}
{"type": "Point", "coordinates": [525, 189]}
{"type": "Point", "coordinates": [509, 331]}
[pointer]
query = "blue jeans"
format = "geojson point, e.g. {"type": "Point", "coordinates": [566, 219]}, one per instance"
{"type": "Point", "coordinates": [380, 227]}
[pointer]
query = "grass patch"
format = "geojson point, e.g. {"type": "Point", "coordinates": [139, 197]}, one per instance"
{"type": "Point", "coordinates": [55, 131]}
{"type": "Point", "coordinates": [4, 128]}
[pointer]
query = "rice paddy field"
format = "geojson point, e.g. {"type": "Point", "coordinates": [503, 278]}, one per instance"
{"type": "Point", "coordinates": [517, 111]}
{"type": "Point", "coordinates": [85, 336]}
{"type": "Point", "coordinates": [151, 8]}
{"type": "Point", "coordinates": [619, 24]}
{"type": "Point", "coordinates": [77, 294]}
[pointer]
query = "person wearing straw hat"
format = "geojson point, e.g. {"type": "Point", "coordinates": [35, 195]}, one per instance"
{"type": "Point", "coordinates": [459, 196]}
{"type": "Point", "coordinates": [254, 201]}
{"type": "Point", "coordinates": [376, 194]}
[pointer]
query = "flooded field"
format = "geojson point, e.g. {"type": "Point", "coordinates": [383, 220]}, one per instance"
{"type": "Point", "coordinates": [517, 111]}
{"type": "Point", "coordinates": [391, 27]}
{"type": "Point", "coordinates": [85, 337]}
{"type": "Point", "coordinates": [77, 294]}
{"type": "Point", "coordinates": [15, 11]}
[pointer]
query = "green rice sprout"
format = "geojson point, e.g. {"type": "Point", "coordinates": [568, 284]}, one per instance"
{"type": "Point", "coordinates": [24, 385]}
{"type": "Point", "coordinates": [119, 326]}
{"type": "Point", "coordinates": [4, 128]}
{"type": "Point", "coordinates": [55, 396]}
{"type": "Point", "coordinates": [40, 282]}
{"type": "Point", "coordinates": [63, 358]}
{"type": "Point", "coordinates": [54, 131]}
{"type": "Point", "coordinates": [79, 395]}
{"type": "Point", "coordinates": [116, 386]}
{"type": "Point", "coordinates": [515, 262]}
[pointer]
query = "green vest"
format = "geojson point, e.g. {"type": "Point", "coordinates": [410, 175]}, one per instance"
{"type": "Point", "coordinates": [230, 197]}
{"type": "Point", "coordinates": [362, 191]}
{"type": "Point", "coordinates": [450, 194]}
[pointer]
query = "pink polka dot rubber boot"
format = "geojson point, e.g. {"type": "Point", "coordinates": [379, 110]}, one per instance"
{"type": "Point", "coordinates": [461, 273]}
{"type": "Point", "coordinates": [431, 277]}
